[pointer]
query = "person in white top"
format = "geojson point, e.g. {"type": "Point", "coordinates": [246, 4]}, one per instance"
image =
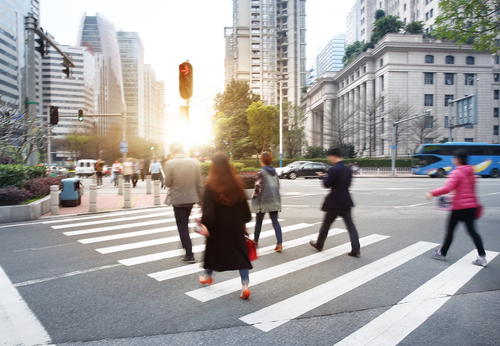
{"type": "Point", "coordinates": [117, 167]}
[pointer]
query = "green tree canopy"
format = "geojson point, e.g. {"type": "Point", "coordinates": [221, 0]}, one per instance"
{"type": "Point", "coordinates": [294, 135]}
{"type": "Point", "coordinates": [379, 14]}
{"type": "Point", "coordinates": [386, 25]}
{"type": "Point", "coordinates": [264, 125]}
{"type": "Point", "coordinates": [416, 27]}
{"type": "Point", "coordinates": [351, 52]}
{"type": "Point", "coordinates": [470, 21]}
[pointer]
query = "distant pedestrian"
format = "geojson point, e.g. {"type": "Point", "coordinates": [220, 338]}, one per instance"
{"type": "Point", "coordinates": [183, 179]}
{"type": "Point", "coordinates": [135, 172]}
{"type": "Point", "coordinates": [99, 168]}
{"type": "Point", "coordinates": [141, 168]}
{"type": "Point", "coordinates": [155, 169]}
{"type": "Point", "coordinates": [127, 169]}
{"type": "Point", "coordinates": [225, 212]}
{"type": "Point", "coordinates": [464, 205]}
{"type": "Point", "coordinates": [338, 202]}
{"type": "Point", "coordinates": [115, 171]}
{"type": "Point", "coordinates": [266, 199]}
{"type": "Point", "coordinates": [70, 168]}
{"type": "Point", "coordinates": [355, 169]}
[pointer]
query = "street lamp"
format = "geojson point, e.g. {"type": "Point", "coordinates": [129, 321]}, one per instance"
{"type": "Point", "coordinates": [153, 151]}
{"type": "Point", "coordinates": [279, 79]}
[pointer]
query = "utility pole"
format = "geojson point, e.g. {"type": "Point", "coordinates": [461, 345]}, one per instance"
{"type": "Point", "coordinates": [394, 127]}
{"type": "Point", "coordinates": [279, 79]}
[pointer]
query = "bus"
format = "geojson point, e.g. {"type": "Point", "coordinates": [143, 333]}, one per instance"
{"type": "Point", "coordinates": [434, 159]}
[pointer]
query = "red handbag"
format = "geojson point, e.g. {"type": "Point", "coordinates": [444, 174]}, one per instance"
{"type": "Point", "coordinates": [252, 251]}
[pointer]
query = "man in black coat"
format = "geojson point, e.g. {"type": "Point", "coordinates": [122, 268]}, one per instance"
{"type": "Point", "coordinates": [338, 202]}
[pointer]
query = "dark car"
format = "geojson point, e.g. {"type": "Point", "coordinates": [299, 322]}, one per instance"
{"type": "Point", "coordinates": [283, 171]}
{"type": "Point", "coordinates": [307, 170]}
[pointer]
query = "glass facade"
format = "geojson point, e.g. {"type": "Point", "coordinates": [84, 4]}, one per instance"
{"type": "Point", "coordinates": [329, 59]}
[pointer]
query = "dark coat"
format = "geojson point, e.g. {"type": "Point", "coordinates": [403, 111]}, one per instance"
{"type": "Point", "coordinates": [339, 180]}
{"type": "Point", "coordinates": [226, 247]}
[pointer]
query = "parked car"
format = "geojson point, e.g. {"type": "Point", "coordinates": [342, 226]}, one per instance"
{"type": "Point", "coordinates": [283, 171]}
{"type": "Point", "coordinates": [106, 171]}
{"type": "Point", "coordinates": [307, 170]}
{"type": "Point", "coordinates": [85, 168]}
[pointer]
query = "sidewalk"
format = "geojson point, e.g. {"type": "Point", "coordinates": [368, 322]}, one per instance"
{"type": "Point", "coordinates": [108, 198]}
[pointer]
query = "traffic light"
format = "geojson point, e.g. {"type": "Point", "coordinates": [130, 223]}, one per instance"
{"type": "Point", "coordinates": [186, 80]}
{"type": "Point", "coordinates": [80, 115]}
{"type": "Point", "coordinates": [54, 115]}
{"type": "Point", "coordinates": [41, 46]}
{"type": "Point", "coordinates": [67, 65]}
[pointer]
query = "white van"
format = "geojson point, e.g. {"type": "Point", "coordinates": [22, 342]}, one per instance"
{"type": "Point", "coordinates": [85, 168]}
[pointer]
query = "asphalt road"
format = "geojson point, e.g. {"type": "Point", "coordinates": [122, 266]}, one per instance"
{"type": "Point", "coordinates": [116, 278]}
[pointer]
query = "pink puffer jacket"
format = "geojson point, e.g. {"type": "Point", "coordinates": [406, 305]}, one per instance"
{"type": "Point", "coordinates": [462, 181]}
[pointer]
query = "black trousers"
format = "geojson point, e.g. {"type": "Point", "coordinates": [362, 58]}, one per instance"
{"type": "Point", "coordinates": [467, 216]}
{"type": "Point", "coordinates": [330, 216]}
{"type": "Point", "coordinates": [182, 221]}
{"type": "Point", "coordinates": [135, 178]}
{"type": "Point", "coordinates": [99, 178]}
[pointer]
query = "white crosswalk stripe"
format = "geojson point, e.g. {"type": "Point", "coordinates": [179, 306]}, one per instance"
{"type": "Point", "coordinates": [107, 215]}
{"type": "Point", "coordinates": [99, 222]}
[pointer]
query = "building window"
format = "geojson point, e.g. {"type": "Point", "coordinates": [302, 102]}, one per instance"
{"type": "Point", "coordinates": [382, 125]}
{"type": "Point", "coordinates": [469, 60]}
{"type": "Point", "coordinates": [428, 140]}
{"type": "Point", "coordinates": [429, 100]}
{"type": "Point", "coordinates": [302, 36]}
{"type": "Point", "coordinates": [429, 121]}
{"type": "Point", "coordinates": [364, 69]}
{"type": "Point", "coordinates": [381, 62]}
{"type": "Point", "coordinates": [496, 77]}
{"type": "Point", "coordinates": [427, 16]}
{"type": "Point", "coordinates": [469, 140]}
{"type": "Point", "coordinates": [446, 99]}
{"type": "Point", "coordinates": [496, 94]}
{"type": "Point", "coordinates": [497, 59]}
{"type": "Point", "coordinates": [469, 126]}
{"type": "Point", "coordinates": [404, 7]}
{"type": "Point", "coordinates": [448, 79]}
{"type": "Point", "coordinates": [495, 112]}
{"type": "Point", "coordinates": [382, 105]}
{"type": "Point", "coordinates": [382, 83]}
{"type": "Point", "coordinates": [429, 59]}
{"type": "Point", "coordinates": [429, 78]}
{"type": "Point", "coordinates": [431, 13]}
{"type": "Point", "coordinates": [450, 60]}
{"type": "Point", "coordinates": [495, 130]}
{"type": "Point", "coordinates": [469, 79]}
{"type": "Point", "coordinates": [446, 122]}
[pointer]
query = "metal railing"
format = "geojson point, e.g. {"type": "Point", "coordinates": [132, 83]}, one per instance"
{"type": "Point", "coordinates": [383, 170]}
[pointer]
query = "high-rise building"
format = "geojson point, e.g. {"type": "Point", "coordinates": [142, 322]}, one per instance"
{"type": "Point", "coordinates": [132, 60]}
{"type": "Point", "coordinates": [268, 39]}
{"type": "Point", "coordinates": [160, 99]}
{"type": "Point", "coordinates": [12, 51]}
{"type": "Point", "coordinates": [99, 35]}
{"type": "Point", "coordinates": [329, 59]}
{"type": "Point", "coordinates": [151, 121]}
{"type": "Point", "coordinates": [69, 94]}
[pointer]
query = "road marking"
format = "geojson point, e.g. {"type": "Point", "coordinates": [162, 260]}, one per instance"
{"type": "Point", "coordinates": [132, 218]}
{"type": "Point", "coordinates": [199, 248]}
{"type": "Point", "coordinates": [182, 271]}
{"type": "Point", "coordinates": [395, 324]}
{"type": "Point", "coordinates": [18, 324]}
{"type": "Point", "coordinates": [31, 282]}
{"type": "Point", "coordinates": [493, 193]}
{"type": "Point", "coordinates": [277, 314]}
{"type": "Point", "coordinates": [220, 289]}
{"type": "Point", "coordinates": [413, 205]}
{"type": "Point", "coordinates": [146, 232]}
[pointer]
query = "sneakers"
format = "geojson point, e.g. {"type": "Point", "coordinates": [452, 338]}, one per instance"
{"type": "Point", "coordinates": [480, 261]}
{"type": "Point", "coordinates": [188, 259]}
{"type": "Point", "coordinates": [436, 254]}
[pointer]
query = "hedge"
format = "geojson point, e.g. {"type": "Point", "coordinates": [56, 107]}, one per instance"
{"type": "Point", "coordinates": [16, 175]}
{"type": "Point", "coordinates": [205, 166]}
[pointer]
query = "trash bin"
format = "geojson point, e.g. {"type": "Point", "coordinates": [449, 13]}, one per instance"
{"type": "Point", "coordinates": [71, 195]}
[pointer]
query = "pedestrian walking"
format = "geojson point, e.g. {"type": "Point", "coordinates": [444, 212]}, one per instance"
{"type": "Point", "coordinates": [127, 169]}
{"type": "Point", "coordinates": [135, 172]}
{"type": "Point", "coordinates": [141, 168]}
{"type": "Point", "coordinates": [99, 167]}
{"type": "Point", "coordinates": [463, 207]}
{"type": "Point", "coordinates": [155, 169]}
{"type": "Point", "coordinates": [338, 202]}
{"type": "Point", "coordinates": [70, 168]}
{"type": "Point", "coordinates": [183, 179]}
{"type": "Point", "coordinates": [115, 170]}
{"type": "Point", "coordinates": [266, 199]}
{"type": "Point", "coordinates": [225, 212]}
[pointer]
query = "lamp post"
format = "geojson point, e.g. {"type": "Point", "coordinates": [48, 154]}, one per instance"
{"type": "Point", "coordinates": [279, 79]}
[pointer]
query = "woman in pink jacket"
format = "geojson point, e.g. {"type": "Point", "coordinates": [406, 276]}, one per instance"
{"type": "Point", "coordinates": [462, 181]}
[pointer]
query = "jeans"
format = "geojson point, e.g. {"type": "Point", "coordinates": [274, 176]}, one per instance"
{"type": "Point", "coordinates": [114, 178]}
{"type": "Point", "coordinates": [276, 226]}
{"type": "Point", "coordinates": [244, 274]}
{"type": "Point", "coordinates": [330, 216]}
{"type": "Point", "coordinates": [467, 216]}
{"type": "Point", "coordinates": [127, 178]}
{"type": "Point", "coordinates": [182, 221]}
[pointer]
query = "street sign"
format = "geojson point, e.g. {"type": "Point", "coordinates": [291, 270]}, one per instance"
{"type": "Point", "coordinates": [466, 111]}
{"type": "Point", "coordinates": [393, 146]}
{"type": "Point", "coordinates": [123, 147]}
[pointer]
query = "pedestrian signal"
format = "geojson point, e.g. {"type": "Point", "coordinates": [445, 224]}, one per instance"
{"type": "Point", "coordinates": [186, 80]}
{"type": "Point", "coordinates": [80, 115]}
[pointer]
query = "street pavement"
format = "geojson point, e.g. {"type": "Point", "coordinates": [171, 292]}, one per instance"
{"type": "Point", "coordinates": [116, 278]}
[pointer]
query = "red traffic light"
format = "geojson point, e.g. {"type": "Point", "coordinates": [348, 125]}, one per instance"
{"type": "Point", "coordinates": [184, 69]}
{"type": "Point", "coordinates": [186, 80]}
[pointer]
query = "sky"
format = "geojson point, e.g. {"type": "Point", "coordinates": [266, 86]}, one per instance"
{"type": "Point", "coordinates": [175, 30]}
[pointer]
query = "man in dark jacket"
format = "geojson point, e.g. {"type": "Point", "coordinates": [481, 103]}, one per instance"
{"type": "Point", "coordinates": [338, 202]}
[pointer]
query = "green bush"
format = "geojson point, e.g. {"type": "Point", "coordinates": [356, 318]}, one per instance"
{"type": "Point", "coordinates": [16, 175]}
{"type": "Point", "coordinates": [205, 166]}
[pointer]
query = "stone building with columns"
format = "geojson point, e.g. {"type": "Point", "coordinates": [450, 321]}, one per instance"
{"type": "Point", "coordinates": [402, 76]}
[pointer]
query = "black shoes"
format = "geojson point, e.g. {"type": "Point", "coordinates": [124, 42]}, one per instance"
{"type": "Point", "coordinates": [314, 245]}
{"type": "Point", "coordinates": [188, 259]}
{"type": "Point", "coordinates": [354, 254]}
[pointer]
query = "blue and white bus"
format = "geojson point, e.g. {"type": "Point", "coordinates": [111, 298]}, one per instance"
{"type": "Point", "coordinates": [434, 159]}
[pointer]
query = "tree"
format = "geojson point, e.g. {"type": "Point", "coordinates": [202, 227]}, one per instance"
{"type": "Point", "coordinates": [351, 52]}
{"type": "Point", "coordinates": [20, 133]}
{"type": "Point", "coordinates": [264, 125]}
{"type": "Point", "coordinates": [348, 150]}
{"type": "Point", "coordinates": [470, 21]}
{"type": "Point", "coordinates": [294, 134]}
{"type": "Point", "coordinates": [397, 111]}
{"type": "Point", "coordinates": [379, 14]}
{"type": "Point", "coordinates": [230, 122]}
{"type": "Point", "coordinates": [423, 129]}
{"type": "Point", "coordinates": [386, 25]}
{"type": "Point", "coordinates": [415, 27]}
{"type": "Point", "coordinates": [315, 152]}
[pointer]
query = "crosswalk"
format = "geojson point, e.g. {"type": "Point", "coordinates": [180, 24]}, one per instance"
{"type": "Point", "coordinates": [134, 239]}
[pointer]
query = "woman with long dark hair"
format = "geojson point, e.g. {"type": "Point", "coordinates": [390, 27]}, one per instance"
{"type": "Point", "coordinates": [225, 212]}
{"type": "Point", "coordinates": [463, 182]}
